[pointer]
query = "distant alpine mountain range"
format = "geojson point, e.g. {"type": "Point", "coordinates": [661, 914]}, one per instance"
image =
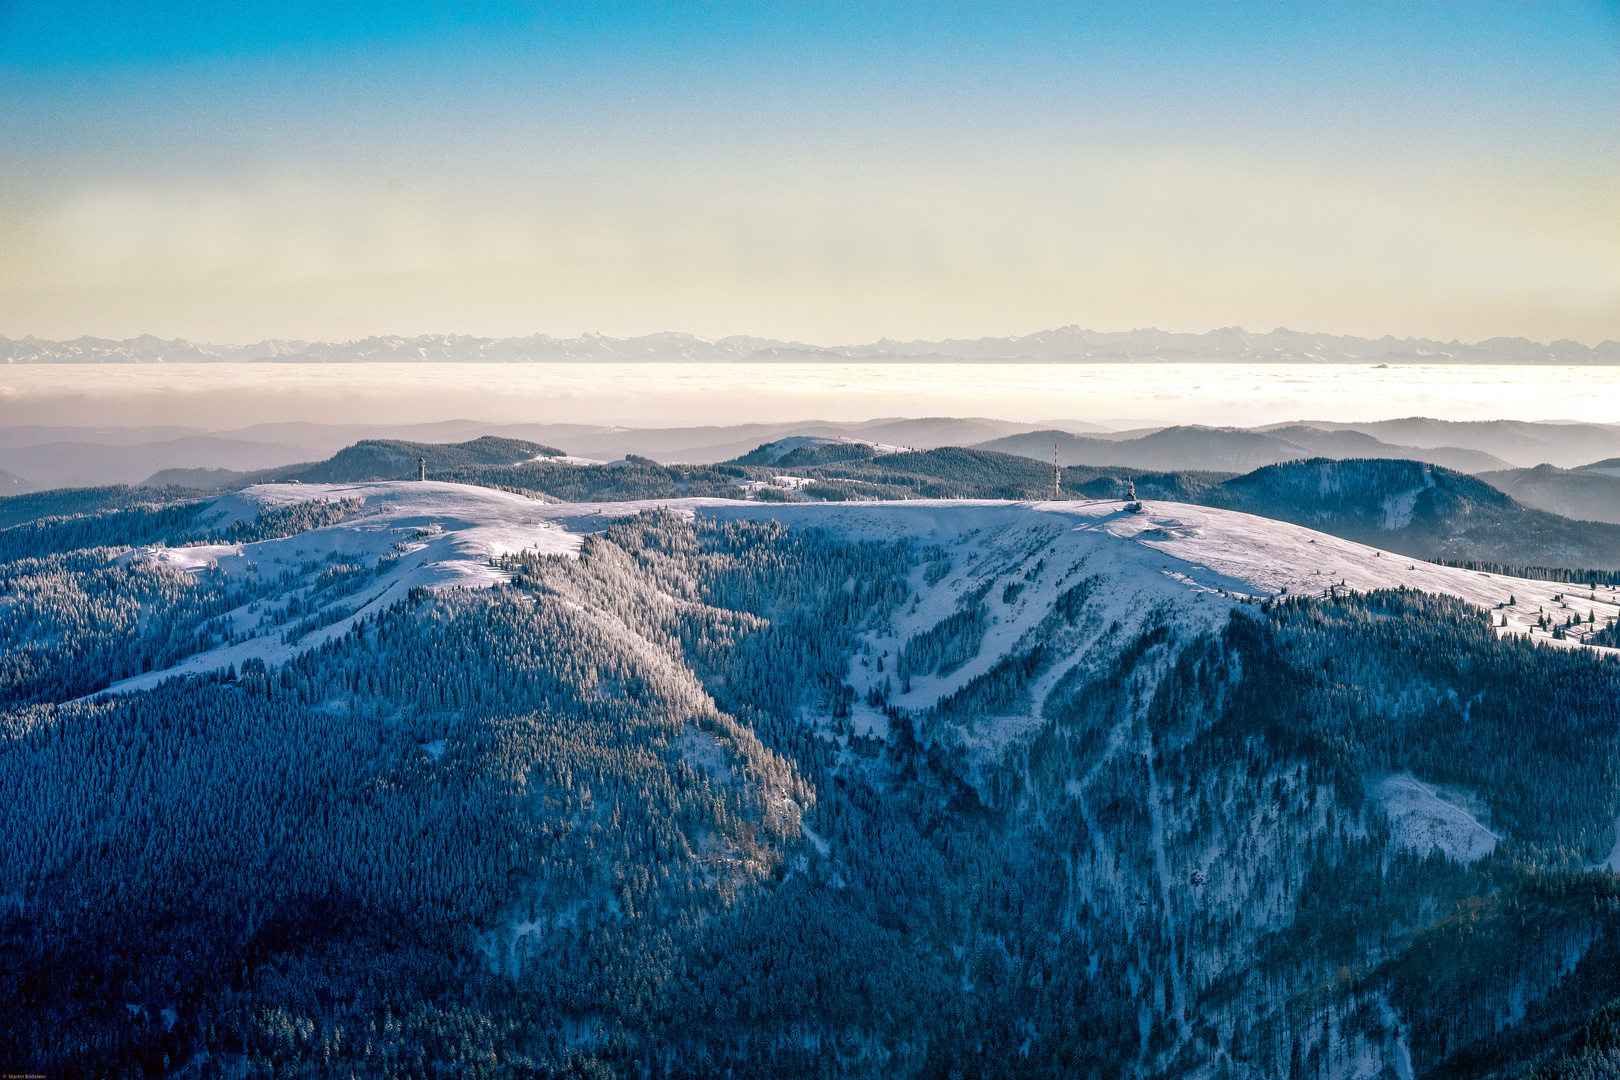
{"type": "Point", "coordinates": [1068, 344]}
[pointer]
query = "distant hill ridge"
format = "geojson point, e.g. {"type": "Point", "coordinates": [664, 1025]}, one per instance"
{"type": "Point", "coordinates": [369, 459]}
{"type": "Point", "coordinates": [1408, 504]}
{"type": "Point", "coordinates": [1066, 344]}
{"type": "Point", "coordinates": [1229, 449]}
{"type": "Point", "coordinates": [1415, 508]}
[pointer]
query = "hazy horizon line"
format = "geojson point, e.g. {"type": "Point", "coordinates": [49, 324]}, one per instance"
{"type": "Point", "coordinates": [298, 345]}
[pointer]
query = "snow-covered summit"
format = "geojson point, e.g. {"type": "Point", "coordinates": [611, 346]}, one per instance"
{"type": "Point", "coordinates": [815, 450]}
{"type": "Point", "coordinates": [315, 585]}
{"type": "Point", "coordinates": [1220, 554]}
{"type": "Point", "coordinates": [1187, 567]}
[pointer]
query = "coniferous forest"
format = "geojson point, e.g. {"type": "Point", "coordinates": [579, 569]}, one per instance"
{"type": "Point", "coordinates": [656, 810]}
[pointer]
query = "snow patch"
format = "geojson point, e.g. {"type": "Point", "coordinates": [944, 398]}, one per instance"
{"type": "Point", "coordinates": [1613, 861]}
{"type": "Point", "coordinates": [1220, 551]}
{"type": "Point", "coordinates": [1423, 818]}
{"type": "Point", "coordinates": [1398, 510]}
{"type": "Point", "coordinates": [704, 753]}
{"type": "Point", "coordinates": [567, 459]}
{"type": "Point", "coordinates": [821, 846]}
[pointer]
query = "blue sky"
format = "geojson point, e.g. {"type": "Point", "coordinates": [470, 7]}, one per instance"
{"type": "Point", "coordinates": [825, 171]}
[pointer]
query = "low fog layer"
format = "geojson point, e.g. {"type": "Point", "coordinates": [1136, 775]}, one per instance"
{"type": "Point", "coordinates": [227, 396]}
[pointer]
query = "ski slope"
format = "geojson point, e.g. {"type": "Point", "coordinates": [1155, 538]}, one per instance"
{"type": "Point", "coordinates": [1189, 564]}
{"type": "Point", "coordinates": [1209, 554]}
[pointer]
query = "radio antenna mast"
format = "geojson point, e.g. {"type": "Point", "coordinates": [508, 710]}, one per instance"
{"type": "Point", "coordinates": [1057, 477]}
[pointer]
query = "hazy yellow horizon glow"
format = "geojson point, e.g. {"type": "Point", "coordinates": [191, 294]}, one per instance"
{"type": "Point", "coordinates": [1105, 240]}
{"type": "Point", "coordinates": [826, 173]}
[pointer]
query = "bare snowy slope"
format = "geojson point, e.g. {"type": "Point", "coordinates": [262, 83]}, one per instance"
{"type": "Point", "coordinates": [315, 585]}
{"type": "Point", "coordinates": [1171, 551]}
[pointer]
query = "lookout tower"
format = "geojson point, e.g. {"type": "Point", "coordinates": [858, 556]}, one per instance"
{"type": "Point", "coordinates": [421, 467]}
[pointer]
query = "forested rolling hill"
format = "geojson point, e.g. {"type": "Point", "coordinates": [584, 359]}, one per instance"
{"type": "Point", "coordinates": [1592, 493]}
{"type": "Point", "coordinates": [76, 502]}
{"type": "Point", "coordinates": [12, 484]}
{"type": "Point", "coordinates": [1419, 510]}
{"type": "Point", "coordinates": [863, 789]}
{"type": "Point", "coordinates": [1232, 449]}
{"type": "Point", "coordinates": [368, 459]}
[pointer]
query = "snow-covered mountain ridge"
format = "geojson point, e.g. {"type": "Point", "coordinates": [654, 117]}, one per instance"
{"type": "Point", "coordinates": [1191, 561]}
{"type": "Point", "coordinates": [407, 536]}
{"type": "Point", "coordinates": [851, 788]}
{"type": "Point", "coordinates": [1065, 344]}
